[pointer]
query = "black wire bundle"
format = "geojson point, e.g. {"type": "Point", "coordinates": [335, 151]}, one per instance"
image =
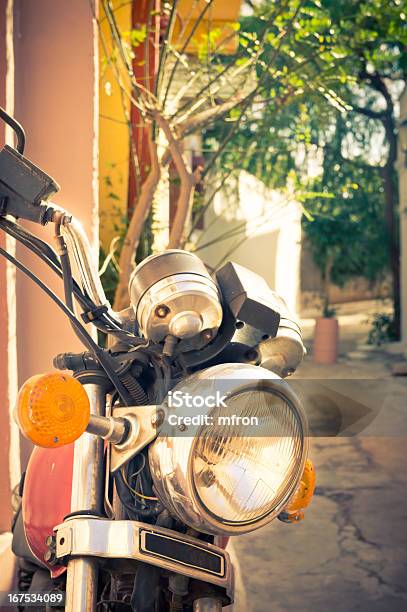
{"type": "Point", "coordinates": [139, 501]}
{"type": "Point", "coordinates": [62, 268]}
{"type": "Point", "coordinates": [104, 322]}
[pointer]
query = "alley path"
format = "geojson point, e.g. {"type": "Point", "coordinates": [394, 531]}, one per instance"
{"type": "Point", "coordinates": [350, 552]}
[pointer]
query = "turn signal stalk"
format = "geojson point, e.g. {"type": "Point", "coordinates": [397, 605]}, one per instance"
{"type": "Point", "coordinates": [110, 429]}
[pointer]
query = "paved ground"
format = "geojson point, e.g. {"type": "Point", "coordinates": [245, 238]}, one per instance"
{"type": "Point", "coordinates": [350, 552]}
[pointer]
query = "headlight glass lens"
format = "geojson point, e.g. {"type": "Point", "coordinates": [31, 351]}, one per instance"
{"type": "Point", "coordinates": [240, 478]}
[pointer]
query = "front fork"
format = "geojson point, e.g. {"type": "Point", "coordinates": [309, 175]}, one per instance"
{"type": "Point", "coordinates": [87, 496]}
{"type": "Point", "coordinates": [208, 604]}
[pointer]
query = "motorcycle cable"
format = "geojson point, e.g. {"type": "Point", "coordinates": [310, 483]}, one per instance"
{"type": "Point", "coordinates": [49, 257]}
{"type": "Point", "coordinates": [127, 499]}
{"type": "Point", "coordinates": [85, 338]}
{"type": "Point", "coordinates": [131, 385]}
{"type": "Point", "coordinates": [62, 251]}
{"type": "Point", "coordinates": [45, 253]}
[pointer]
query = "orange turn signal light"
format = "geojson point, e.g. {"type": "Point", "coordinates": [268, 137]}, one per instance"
{"type": "Point", "coordinates": [52, 409]}
{"type": "Point", "coordinates": [303, 494]}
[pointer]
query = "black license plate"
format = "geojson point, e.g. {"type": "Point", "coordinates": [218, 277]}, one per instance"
{"type": "Point", "coordinates": [179, 551]}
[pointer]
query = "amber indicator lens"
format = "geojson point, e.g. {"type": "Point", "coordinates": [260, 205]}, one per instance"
{"type": "Point", "coordinates": [52, 409]}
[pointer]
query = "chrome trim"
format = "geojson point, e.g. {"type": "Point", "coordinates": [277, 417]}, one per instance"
{"type": "Point", "coordinates": [79, 245]}
{"type": "Point", "coordinates": [87, 494]}
{"type": "Point", "coordinates": [102, 538]}
{"type": "Point", "coordinates": [108, 428]}
{"type": "Point", "coordinates": [143, 430]}
{"type": "Point", "coordinates": [181, 293]}
{"type": "Point", "coordinates": [171, 454]}
{"type": "Point", "coordinates": [173, 294]}
{"type": "Point", "coordinates": [207, 604]}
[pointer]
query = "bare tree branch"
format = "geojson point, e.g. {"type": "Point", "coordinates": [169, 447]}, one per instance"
{"type": "Point", "coordinates": [368, 112]}
{"type": "Point", "coordinates": [210, 114]}
{"type": "Point", "coordinates": [188, 180]}
{"type": "Point", "coordinates": [184, 46]}
{"type": "Point", "coordinates": [233, 64]}
{"type": "Point", "coordinates": [135, 228]}
{"type": "Point", "coordinates": [144, 97]}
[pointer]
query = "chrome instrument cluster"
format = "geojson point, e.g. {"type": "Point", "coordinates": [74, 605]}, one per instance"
{"type": "Point", "coordinates": [173, 295]}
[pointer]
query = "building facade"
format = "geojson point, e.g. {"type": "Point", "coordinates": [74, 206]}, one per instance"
{"type": "Point", "coordinates": [48, 81]}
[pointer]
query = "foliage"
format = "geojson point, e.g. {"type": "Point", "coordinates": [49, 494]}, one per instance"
{"type": "Point", "coordinates": [307, 77]}
{"type": "Point", "coordinates": [347, 228]}
{"type": "Point", "coordinates": [382, 330]}
{"type": "Point", "coordinates": [328, 313]}
{"type": "Point", "coordinates": [263, 73]}
{"type": "Point", "coordinates": [335, 137]}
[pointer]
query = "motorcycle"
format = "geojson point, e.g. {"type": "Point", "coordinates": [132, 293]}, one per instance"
{"type": "Point", "coordinates": [153, 448]}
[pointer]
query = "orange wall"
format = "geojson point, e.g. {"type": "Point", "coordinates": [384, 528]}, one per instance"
{"type": "Point", "coordinates": [56, 100]}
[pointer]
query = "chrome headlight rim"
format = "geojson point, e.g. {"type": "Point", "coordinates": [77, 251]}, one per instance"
{"type": "Point", "coordinates": [174, 479]}
{"type": "Point", "coordinates": [238, 527]}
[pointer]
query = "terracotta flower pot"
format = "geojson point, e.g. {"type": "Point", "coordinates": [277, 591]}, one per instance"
{"type": "Point", "coordinates": [326, 336]}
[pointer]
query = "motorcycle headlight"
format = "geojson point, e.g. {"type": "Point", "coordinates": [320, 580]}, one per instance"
{"type": "Point", "coordinates": [239, 463]}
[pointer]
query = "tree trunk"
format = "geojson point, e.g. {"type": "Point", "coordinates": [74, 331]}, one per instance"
{"type": "Point", "coordinates": [390, 197]}
{"type": "Point", "coordinates": [388, 174]}
{"type": "Point", "coordinates": [188, 179]}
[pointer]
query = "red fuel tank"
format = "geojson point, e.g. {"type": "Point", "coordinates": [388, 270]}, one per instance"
{"type": "Point", "coordinates": [47, 497]}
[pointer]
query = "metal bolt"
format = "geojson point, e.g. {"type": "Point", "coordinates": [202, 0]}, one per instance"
{"type": "Point", "coordinates": [48, 556]}
{"type": "Point", "coordinates": [50, 541]}
{"type": "Point", "coordinates": [157, 418]}
{"type": "Point", "coordinates": [182, 427]}
{"type": "Point", "coordinates": [207, 334]}
{"type": "Point", "coordinates": [161, 311]}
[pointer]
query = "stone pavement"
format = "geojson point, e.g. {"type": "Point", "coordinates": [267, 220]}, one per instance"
{"type": "Point", "coordinates": [350, 552]}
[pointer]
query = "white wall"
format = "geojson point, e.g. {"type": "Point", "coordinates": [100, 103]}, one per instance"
{"type": "Point", "coordinates": [264, 228]}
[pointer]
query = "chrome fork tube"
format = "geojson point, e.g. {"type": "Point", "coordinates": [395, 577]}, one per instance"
{"type": "Point", "coordinates": [87, 494]}
{"type": "Point", "coordinates": [208, 604]}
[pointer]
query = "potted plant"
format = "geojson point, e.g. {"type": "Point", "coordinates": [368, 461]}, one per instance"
{"type": "Point", "coordinates": [326, 334]}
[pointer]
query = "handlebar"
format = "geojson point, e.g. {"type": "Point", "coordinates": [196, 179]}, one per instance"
{"type": "Point", "coordinates": [17, 127]}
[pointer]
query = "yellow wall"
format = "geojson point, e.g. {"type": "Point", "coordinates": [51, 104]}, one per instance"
{"type": "Point", "coordinates": [221, 17]}
{"type": "Point", "coordinates": [113, 134]}
{"type": "Point", "coordinates": [113, 130]}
